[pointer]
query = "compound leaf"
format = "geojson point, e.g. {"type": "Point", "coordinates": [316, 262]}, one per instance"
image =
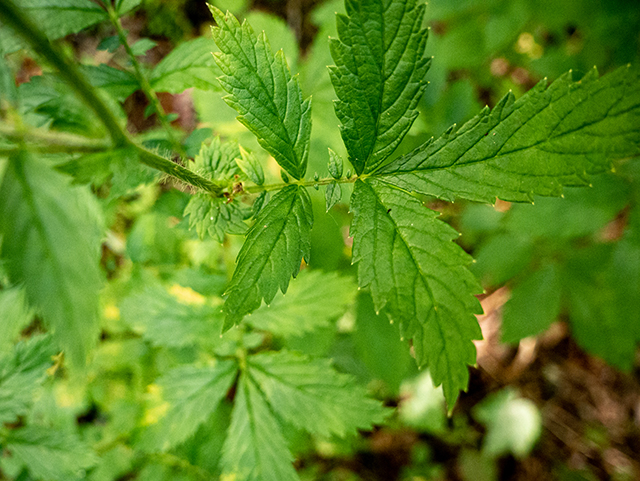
{"type": "Point", "coordinates": [378, 76]}
{"type": "Point", "coordinates": [51, 240]}
{"type": "Point", "coordinates": [50, 454]}
{"type": "Point", "coordinates": [272, 252]}
{"type": "Point", "coordinates": [305, 307]}
{"type": "Point", "coordinates": [21, 372]}
{"type": "Point", "coordinates": [190, 65]}
{"type": "Point", "coordinates": [550, 138]}
{"type": "Point", "coordinates": [191, 395]}
{"type": "Point", "coordinates": [217, 216]}
{"type": "Point", "coordinates": [312, 396]}
{"type": "Point", "coordinates": [406, 257]}
{"type": "Point", "coordinates": [165, 321]}
{"type": "Point", "coordinates": [262, 90]}
{"type": "Point", "coordinates": [255, 448]}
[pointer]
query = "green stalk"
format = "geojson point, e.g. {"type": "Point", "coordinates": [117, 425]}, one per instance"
{"type": "Point", "coordinates": [51, 141]}
{"type": "Point", "coordinates": [13, 16]}
{"type": "Point", "coordinates": [145, 86]}
{"type": "Point", "coordinates": [255, 189]}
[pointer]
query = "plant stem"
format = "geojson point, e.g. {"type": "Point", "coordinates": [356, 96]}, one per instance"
{"type": "Point", "coordinates": [255, 189]}
{"type": "Point", "coordinates": [145, 86]}
{"type": "Point", "coordinates": [13, 16]}
{"type": "Point", "coordinates": [51, 141]}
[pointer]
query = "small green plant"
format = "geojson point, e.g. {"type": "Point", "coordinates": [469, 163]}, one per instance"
{"type": "Point", "coordinates": [214, 360]}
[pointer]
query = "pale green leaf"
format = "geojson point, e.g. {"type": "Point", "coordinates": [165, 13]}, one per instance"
{"type": "Point", "coordinates": [124, 6]}
{"type": "Point", "coordinates": [142, 46]}
{"type": "Point", "coordinates": [406, 257]}
{"type": "Point", "coordinates": [312, 396]}
{"type": "Point", "coordinates": [190, 65]}
{"type": "Point", "coordinates": [305, 307]}
{"type": "Point", "coordinates": [191, 394]}
{"type": "Point", "coordinates": [250, 165]}
{"type": "Point", "coordinates": [534, 305]}
{"type": "Point", "coordinates": [166, 321]}
{"type": "Point", "coordinates": [549, 138]}
{"type": "Point", "coordinates": [217, 216]}
{"type": "Point", "coordinates": [21, 372]}
{"type": "Point", "coordinates": [118, 83]}
{"type": "Point", "coordinates": [15, 314]}
{"type": "Point", "coordinates": [50, 454]}
{"type": "Point", "coordinates": [513, 424]}
{"type": "Point", "coordinates": [255, 448]}
{"type": "Point", "coordinates": [378, 76]}
{"type": "Point", "coordinates": [52, 234]}
{"type": "Point", "coordinates": [56, 18]}
{"type": "Point", "coordinates": [264, 93]}
{"type": "Point", "coordinates": [272, 252]}
{"type": "Point", "coordinates": [333, 195]}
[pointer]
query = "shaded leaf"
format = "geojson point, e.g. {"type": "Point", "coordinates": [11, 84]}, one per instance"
{"type": "Point", "coordinates": [333, 195]}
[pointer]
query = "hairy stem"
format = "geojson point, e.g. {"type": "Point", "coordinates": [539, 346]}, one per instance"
{"type": "Point", "coordinates": [51, 141]}
{"type": "Point", "coordinates": [255, 189]}
{"type": "Point", "coordinates": [145, 86]}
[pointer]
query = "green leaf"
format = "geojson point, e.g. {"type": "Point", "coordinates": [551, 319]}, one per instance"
{"type": "Point", "coordinates": [271, 254]}
{"type": "Point", "coordinates": [190, 65]}
{"type": "Point", "coordinates": [378, 76]}
{"type": "Point", "coordinates": [312, 396]}
{"type": "Point", "coordinates": [165, 321]}
{"type": "Point", "coordinates": [251, 167]}
{"type": "Point", "coordinates": [50, 454]}
{"type": "Point", "coordinates": [217, 216]}
{"type": "Point", "coordinates": [21, 373]}
{"type": "Point", "coordinates": [15, 314]}
{"type": "Point", "coordinates": [406, 257]}
{"type": "Point", "coordinates": [117, 83]}
{"type": "Point", "coordinates": [255, 448]}
{"type": "Point", "coordinates": [264, 93]}
{"type": "Point", "coordinates": [305, 307]}
{"type": "Point", "coordinates": [549, 138]}
{"type": "Point", "coordinates": [333, 195]}
{"type": "Point", "coordinates": [142, 46]}
{"type": "Point", "coordinates": [56, 18]}
{"type": "Point", "coordinates": [190, 396]}
{"type": "Point", "coordinates": [52, 234]}
{"type": "Point", "coordinates": [534, 305]}
{"type": "Point", "coordinates": [513, 424]}
{"type": "Point", "coordinates": [335, 165]}
{"type": "Point", "coordinates": [124, 6]}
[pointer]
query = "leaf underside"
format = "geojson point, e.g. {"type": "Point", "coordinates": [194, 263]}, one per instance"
{"type": "Point", "coordinates": [378, 76]}
{"type": "Point", "coordinates": [262, 90]}
{"type": "Point", "coordinates": [271, 254]}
